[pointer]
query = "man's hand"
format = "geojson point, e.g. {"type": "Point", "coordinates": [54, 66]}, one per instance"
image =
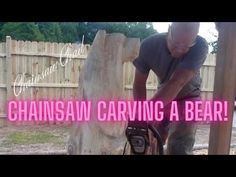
{"type": "Point", "coordinates": [139, 86]}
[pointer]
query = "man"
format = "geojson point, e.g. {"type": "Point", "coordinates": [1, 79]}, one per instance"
{"type": "Point", "coordinates": [176, 58]}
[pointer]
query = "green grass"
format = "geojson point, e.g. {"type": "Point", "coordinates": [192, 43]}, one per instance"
{"type": "Point", "coordinates": [24, 138]}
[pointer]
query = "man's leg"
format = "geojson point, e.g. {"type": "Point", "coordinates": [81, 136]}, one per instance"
{"type": "Point", "coordinates": [181, 138]}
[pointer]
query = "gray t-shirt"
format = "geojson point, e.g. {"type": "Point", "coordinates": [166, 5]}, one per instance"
{"type": "Point", "coordinates": [154, 55]}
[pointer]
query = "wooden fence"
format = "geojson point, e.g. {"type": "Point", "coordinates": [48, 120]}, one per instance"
{"type": "Point", "coordinates": [43, 70]}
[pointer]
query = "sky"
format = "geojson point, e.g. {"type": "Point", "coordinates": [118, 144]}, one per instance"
{"type": "Point", "coordinates": [207, 30]}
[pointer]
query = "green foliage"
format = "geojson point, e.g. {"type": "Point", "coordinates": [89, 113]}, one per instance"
{"type": "Point", "coordinates": [130, 29]}
{"type": "Point", "coordinates": [72, 31]}
{"type": "Point", "coordinates": [51, 31]}
{"type": "Point", "coordinates": [214, 46]}
{"type": "Point", "coordinates": [69, 32]}
{"type": "Point", "coordinates": [21, 31]}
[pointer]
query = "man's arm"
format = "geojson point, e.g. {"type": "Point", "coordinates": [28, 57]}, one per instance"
{"type": "Point", "coordinates": [171, 89]}
{"type": "Point", "coordinates": [139, 86]}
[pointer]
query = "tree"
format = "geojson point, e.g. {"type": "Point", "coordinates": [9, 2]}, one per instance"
{"type": "Point", "coordinates": [72, 31]}
{"type": "Point", "coordinates": [1, 24]}
{"type": "Point", "coordinates": [51, 31]}
{"type": "Point", "coordinates": [214, 46]}
{"type": "Point", "coordinates": [130, 29]}
{"type": "Point", "coordinates": [69, 32]}
{"type": "Point", "coordinates": [140, 30]}
{"type": "Point", "coordinates": [21, 31]}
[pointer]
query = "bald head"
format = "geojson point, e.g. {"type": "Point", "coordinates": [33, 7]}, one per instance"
{"type": "Point", "coordinates": [191, 28]}
{"type": "Point", "coordinates": [181, 37]}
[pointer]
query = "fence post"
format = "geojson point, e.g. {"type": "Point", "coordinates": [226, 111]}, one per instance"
{"type": "Point", "coordinates": [224, 88]}
{"type": "Point", "coordinates": [8, 67]}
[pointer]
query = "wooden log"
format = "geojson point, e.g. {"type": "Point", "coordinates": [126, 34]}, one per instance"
{"type": "Point", "coordinates": [101, 78]}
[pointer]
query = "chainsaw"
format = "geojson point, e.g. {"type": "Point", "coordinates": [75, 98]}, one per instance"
{"type": "Point", "coordinates": [138, 136]}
